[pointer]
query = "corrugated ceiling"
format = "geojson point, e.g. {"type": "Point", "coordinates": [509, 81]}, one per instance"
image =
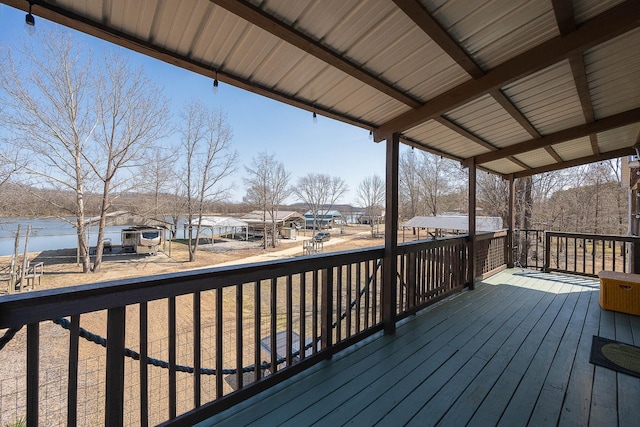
{"type": "Point", "coordinates": [521, 86]}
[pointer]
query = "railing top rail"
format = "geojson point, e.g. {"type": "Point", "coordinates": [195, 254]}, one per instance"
{"type": "Point", "coordinates": [614, 237]}
{"type": "Point", "coordinates": [20, 309]}
{"type": "Point", "coordinates": [488, 235]}
{"type": "Point", "coordinates": [419, 245]}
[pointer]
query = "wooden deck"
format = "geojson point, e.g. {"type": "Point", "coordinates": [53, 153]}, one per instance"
{"type": "Point", "coordinates": [513, 352]}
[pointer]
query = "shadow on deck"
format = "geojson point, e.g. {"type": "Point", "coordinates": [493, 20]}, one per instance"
{"type": "Point", "coordinates": [513, 352]}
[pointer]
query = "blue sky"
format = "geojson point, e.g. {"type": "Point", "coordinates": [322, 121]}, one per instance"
{"type": "Point", "coordinates": [258, 123]}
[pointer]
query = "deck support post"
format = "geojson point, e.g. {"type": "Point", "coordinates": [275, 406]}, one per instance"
{"type": "Point", "coordinates": [390, 263]}
{"type": "Point", "coordinates": [472, 223]}
{"type": "Point", "coordinates": [512, 223]}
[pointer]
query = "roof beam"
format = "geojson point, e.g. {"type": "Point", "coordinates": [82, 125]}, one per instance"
{"type": "Point", "coordinates": [565, 18]}
{"type": "Point", "coordinates": [576, 162]}
{"type": "Point", "coordinates": [423, 19]}
{"type": "Point", "coordinates": [563, 10]}
{"type": "Point", "coordinates": [475, 138]}
{"type": "Point", "coordinates": [549, 149]}
{"type": "Point", "coordinates": [449, 124]}
{"type": "Point", "coordinates": [268, 23]}
{"type": "Point", "coordinates": [617, 120]}
{"type": "Point", "coordinates": [607, 25]}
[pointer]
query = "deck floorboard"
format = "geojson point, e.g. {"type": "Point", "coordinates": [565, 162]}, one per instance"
{"type": "Point", "coordinates": [513, 352]}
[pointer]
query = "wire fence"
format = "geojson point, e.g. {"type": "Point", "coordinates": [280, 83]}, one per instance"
{"type": "Point", "coordinates": [91, 383]}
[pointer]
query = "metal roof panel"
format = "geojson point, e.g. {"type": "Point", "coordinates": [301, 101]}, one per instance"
{"type": "Point", "coordinates": [619, 138]}
{"type": "Point", "coordinates": [574, 149]}
{"type": "Point", "coordinates": [536, 158]}
{"type": "Point", "coordinates": [548, 98]}
{"type": "Point", "coordinates": [485, 118]}
{"type": "Point", "coordinates": [493, 31]}
{"type": "Point", "coordinates": [613, 69]}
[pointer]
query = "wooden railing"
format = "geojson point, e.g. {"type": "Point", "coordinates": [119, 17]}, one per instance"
{"type": "Point", "coordinates": [588, 254]}
{"type": "Point", "coordinates": [429, 271]}
{"type": "Point", "coordinates": [226, 333]}
{"type": "Point", "coordinates": [491, 253]}
{"type": "Point", "coordinates": [529, 249]}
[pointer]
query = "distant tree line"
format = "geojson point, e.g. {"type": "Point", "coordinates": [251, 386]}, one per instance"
{"type": "Point", "coordinates": [588, 198]}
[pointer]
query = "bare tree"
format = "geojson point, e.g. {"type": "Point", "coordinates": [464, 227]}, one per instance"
{"type": "Point", "coordinates": [156, 177]}
{"type": "Point", "coordinates": [438, 177]}
{"type": "Point", "coordinates": [493, 195]}
{"type": "Point", "coordinates": [267, 186]}
{"type": "Point", "coordinates": [409, 185]}
{"type": "Point", "coordinates": [9, 161]}
{"type": "Point", "coordinates": [48, 111]}
{"type": "Point", "coordinates": [371, 194]}
{"type": "Point", "coordinates": [132, 115]}
{"type": "Point", "coordinates": [320, 193]}
{"type": "Point", "coordinates": [206, 145]}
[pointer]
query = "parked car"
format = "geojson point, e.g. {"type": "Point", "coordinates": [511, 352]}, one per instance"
{"type": "Point", "coordinates": [322, 236]}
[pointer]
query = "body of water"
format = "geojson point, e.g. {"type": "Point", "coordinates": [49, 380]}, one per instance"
{"type": "Point", "coordinates": [48, 234]}
{"type": "Point", "coordinates": [55, 233]}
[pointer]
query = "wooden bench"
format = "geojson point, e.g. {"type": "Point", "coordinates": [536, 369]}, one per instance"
{"type": "Point", "coordinates": [620, 292]}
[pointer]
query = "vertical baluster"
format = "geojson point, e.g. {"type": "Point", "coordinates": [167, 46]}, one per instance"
{"type": "Point", "coordinates": [289, 302]}
{"type": "Point", "coordinates": [604, 252]}
{"type": "Point", "coordinates": [367, 295]}
{"type": "Point", "coordinates": [350, 298]}
{"type": "Point", "coordinates": [314, 319]}
{"type": "Point", "coordinates": [402, 282]}
{"type": "Point", "coordinates": [593, 256]}
{"type": "Point", "coordinates": [239, 336]}
{"type": "Point", "coordinates": [197, 348]}
{"type": "Point", "coordinates": [114, 410]}
{"type": "Point", "coordinates": [257, 331]}
{"type": "Point", "coordinates": [358, 296]}
{"type": "Point", "coordinates": [422, 276]}
{"type": "Point", "coordinates": [273, 325]}
{"type": "Point", "coordinates": [339, 308]}
{"type": "Point", "coordinates": [575, 254]}
{"type": "Point", "coordinates": [537, 236]}
{"type": "Point", "coordinates": [33, 372]}
{"type": "Point", "coordinates": [219, 343]}
{"type": "Point", "coordinates": [144, 373]}
{"type": "Point", "coordinates": [303, 315]}
{"type": "Point", "coordinates": [72, 381]}
{"type": "Point", "coordinates": [326, 308]}
{"type": "Point", "coordinates": [584, 255]}
{"type": "Point", "coordinates": [411, 279]}
{"type": "Point", "coordinates": [374, 294]}
{"type": "Point", "coordinates": [431, 267]}
{"type": "Point", "coordinates": [172, 358]}
{"type": "Point", "coordinates": [613, 255]}
{"type": "Point", "coordinates": [623, 250]}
